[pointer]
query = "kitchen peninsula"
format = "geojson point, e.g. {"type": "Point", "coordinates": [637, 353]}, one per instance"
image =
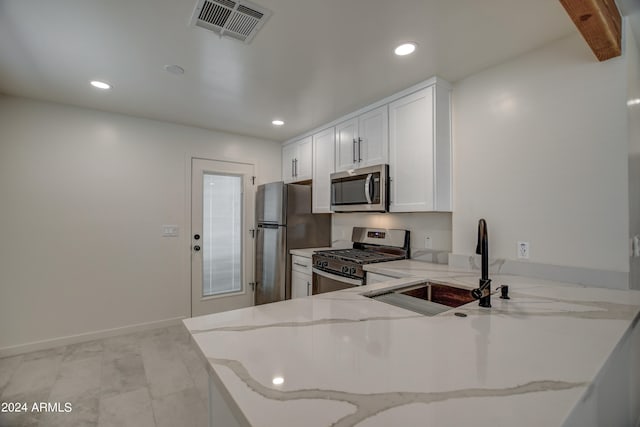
{"type": "Point", "coordinates": [556, 354]}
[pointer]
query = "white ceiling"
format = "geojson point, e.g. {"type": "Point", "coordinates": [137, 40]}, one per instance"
{"type": "Point", "coordinates": [313, 61]}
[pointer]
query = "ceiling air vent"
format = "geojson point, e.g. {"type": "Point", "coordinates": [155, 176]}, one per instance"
{"type": "Point", "coordinates": [239, 20]}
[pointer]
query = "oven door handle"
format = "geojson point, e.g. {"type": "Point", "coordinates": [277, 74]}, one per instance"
{"type": "Point", "coordinates": [354, 282]}
{"type": "Point", "coordinates": [367, 188]}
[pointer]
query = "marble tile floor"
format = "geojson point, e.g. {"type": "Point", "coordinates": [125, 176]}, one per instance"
{"type": "Point", "coordinates": [153, 378]}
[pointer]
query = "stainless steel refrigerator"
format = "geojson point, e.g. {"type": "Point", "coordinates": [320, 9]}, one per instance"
{"type": "Point", "coordinates": [285, 222]}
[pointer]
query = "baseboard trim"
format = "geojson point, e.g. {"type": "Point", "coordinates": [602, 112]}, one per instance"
{"type": "Point", "coordinates": [87, 336]}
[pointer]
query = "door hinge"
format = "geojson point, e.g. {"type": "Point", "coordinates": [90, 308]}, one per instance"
{"type": "Point", "coordinates": [253, 180]}
{"type": "Point", "coordinates": [253, 286]}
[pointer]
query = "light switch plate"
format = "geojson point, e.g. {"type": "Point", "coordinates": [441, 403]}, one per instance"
{"type": "Point", "coordinates": [170, 231]}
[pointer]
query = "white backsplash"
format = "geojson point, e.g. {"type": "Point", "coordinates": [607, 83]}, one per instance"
{"type": "Point", "coordinates": [436, 225]}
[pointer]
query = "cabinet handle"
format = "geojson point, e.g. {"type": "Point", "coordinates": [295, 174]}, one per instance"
{"type": "Point", "coordinates": [292, 170]}
{"type": "Point", "coordinates": [308, 288]}
{"type": "Point", "coordinates": [354, 150]}
{"type": "Point", "coordinates": [301, 265]}
{"type": "Point", "coordinates": [359, 143]}
{"type": "Point", "coordinates": [295, 168]}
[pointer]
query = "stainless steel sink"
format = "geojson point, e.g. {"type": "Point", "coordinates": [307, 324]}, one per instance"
{"type": "Point", "coordinates": [428, 298]}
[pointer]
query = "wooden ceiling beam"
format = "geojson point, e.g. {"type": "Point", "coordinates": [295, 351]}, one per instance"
{"type": "Point", "coordinates": [600, 24]}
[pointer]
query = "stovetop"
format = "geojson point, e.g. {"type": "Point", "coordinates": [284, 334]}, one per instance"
{"type": "Point", "coordinates": [370, 245]}
{"type": "Point", "coordinates": [359, 256]}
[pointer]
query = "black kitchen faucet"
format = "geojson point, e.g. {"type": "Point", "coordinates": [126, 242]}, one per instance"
{"type": "Point", "coordinates": [483, 292]}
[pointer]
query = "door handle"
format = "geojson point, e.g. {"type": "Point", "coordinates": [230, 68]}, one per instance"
{"type": "Point", "coordinates": [308, 288]}
{"type": "Point", "coordinates": [196, 248]}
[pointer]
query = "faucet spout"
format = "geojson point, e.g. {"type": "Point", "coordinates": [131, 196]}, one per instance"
{"type": "Point", "coordinates": [483, 292]}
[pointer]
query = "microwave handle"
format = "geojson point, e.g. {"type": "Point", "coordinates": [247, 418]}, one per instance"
{"type": "Point", "coordinates": [367, 188]}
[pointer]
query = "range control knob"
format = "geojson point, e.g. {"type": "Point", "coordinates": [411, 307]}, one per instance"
{"type": "Point", "coordinates": [345, 269]}
{"type": "Point", "coordinates": [324, 263]}
{"type": "Point", "coordinates": [352, 270]}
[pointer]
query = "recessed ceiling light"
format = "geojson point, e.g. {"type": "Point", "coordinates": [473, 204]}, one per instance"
{"type": "Point", "coordinates": [633, 102]}
{"type": "Point", "coordinates": [277, 380]}
{"type": "Point", "coordinates": [405, 48]}
{"type": "Point", "coordinates": [277, 122]}
{"type": "Point", "coordinates": [174, 69]}
{"type": "Point", "coordinates": [100, 85]}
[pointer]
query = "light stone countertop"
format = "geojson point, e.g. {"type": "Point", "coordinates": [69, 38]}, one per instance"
{"type": "Point", "coordinates": [349, 360]}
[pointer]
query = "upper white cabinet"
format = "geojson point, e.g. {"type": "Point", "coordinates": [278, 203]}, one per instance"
{"type": "Point", "coordinates": [363, 140]}
{"type": "Point", "coordinates": [323, 167]}
{"type": "Point", "coordinates": [297, 160]}
{"type": "Point", "coordinates": [410, 130]}
{"type": "Point", "coordinates": [420, 151]}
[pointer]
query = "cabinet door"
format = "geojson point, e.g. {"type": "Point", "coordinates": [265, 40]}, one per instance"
{"type": "Point", "coordinates": [411, 151]}
{"type": "Point", "coordinates": [288, 156]}
{"type": "Point", "coordinates": [303, 164]}
{"type": "Point", "coordinates": [323, 167]}
{"type": "Point", "coordinates": [373, 137]}
{"type": "Point", "coordinates": [300, 284]}
{"type": "Point", "coordinates": [346, 145]}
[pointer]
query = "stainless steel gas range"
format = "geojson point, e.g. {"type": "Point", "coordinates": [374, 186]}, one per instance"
{"type": "Point", "coordinates": [337, 269]}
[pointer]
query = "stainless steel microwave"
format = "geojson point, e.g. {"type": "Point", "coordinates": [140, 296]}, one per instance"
{"type": "Point", "coordinates": [361, 190]}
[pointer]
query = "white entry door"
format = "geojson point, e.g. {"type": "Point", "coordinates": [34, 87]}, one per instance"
{"type": "Point", "coordinates": [222, 215]}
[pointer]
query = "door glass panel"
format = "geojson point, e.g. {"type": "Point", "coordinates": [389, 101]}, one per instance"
{"type": "Point", "coordinates": [222, 234]}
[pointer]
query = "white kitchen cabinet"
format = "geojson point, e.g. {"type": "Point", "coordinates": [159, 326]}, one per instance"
{"type": "Point", "coordinates": [346, 145]}
{"type": "Point", "coordinates": [420, 151]}
{"type": "Point", "coordinates": [301, 276]}
{"type": "Point", "coordinates": [363, 140]}
{"type": "Point", "coordinates": [323, 167]}
{"type": "Point", "coordinates": [288, 158]}
{"type": "Point", "coordinates": [300, 284]}
{"type": "Point", "coordinates": [297, 160]}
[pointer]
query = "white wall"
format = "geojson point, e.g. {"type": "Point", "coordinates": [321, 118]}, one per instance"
{"type": "Point", "coordinates": [83, 196]}
{"type": "Point", "coordinates": [436, 225]}
{"type": "Point", "coordinates": [633, 92]}
{"type": "Point", "coordinates": [540, 151]}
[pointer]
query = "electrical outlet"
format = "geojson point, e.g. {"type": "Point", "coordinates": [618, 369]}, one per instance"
{"type": "Point", "coordinates": [427, 242]}
{"type": "Point", "coordinates": [523, 250]}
